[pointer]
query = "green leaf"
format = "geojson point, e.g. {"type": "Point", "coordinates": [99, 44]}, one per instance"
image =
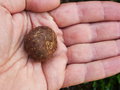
{"type": "Point", "coordinates": [118, 77]}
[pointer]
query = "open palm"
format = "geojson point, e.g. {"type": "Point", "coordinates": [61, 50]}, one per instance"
{"type": "Point", "coordinates": [77, 45]}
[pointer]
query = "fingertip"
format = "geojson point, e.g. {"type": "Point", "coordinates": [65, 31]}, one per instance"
{"type": "Point", "coordinates": [41, 5]}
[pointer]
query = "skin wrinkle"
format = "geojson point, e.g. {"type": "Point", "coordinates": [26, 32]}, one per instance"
{"type": "Point", "coordinates": [30, 19]}
{"type": "Point", "coordinates": [29, 23]}
{"type": "Point", "coordinates": [36, 79]}
{"type": "Point", "coordinates": [35, 67]}
{"type": "Point", "coordinates": [96, 33]}
{"type": "Point", "coordinates": [10, 45]}
{"type": "Point", "coordinates": [24, 67]}
{"type": "Point", "coordinates": [67, 68]}
{"type": "Point", "coordinates": [47, 82]}
{"type": "Point", "coordinates": [103, 69]}
{"type": "Point", "coordinates": [25, 25]}
{"type": "Point", "coordinates": [96, 30]}
{"type": "Point", "coordinates": [30, 72]}
{"type": "Point", "coordinates": [93, 33]}
{"type": "Point", "coordinates": [118, 28]}
{"type": "Point", "coordinates": [27, 71]}
{"type": "Point", "coordinates": [94, 52]}
{"type": "Point", "coordinates": [94, 49]}
{"type": "Point", "coordinates": [45, 77]}
{"type": "Point", "coordinates": [118, 39]}
{"type": "Point", "coordinates": [105, 74]}
{"type": "Point", "coordinates": [57, 81]}
{"type": "Point", "coordinates": [103, 9]}
{"type": "Point", "coordinates": [7, 58]}
{"type": "Point", "coordinates": [82, 14]}
{"type": "Point", "coordinates": [86, 70]}
{"type": "Point", "coordinates": [117, 45]}
{"type": "Point", "coordinates": [33, 73]}
{"type": "Point", "coordinates": [69, 52]}
{"type": "Point", "coordinates": [117, 48]}
{"type": "Point", "coordinates": [85, 80]}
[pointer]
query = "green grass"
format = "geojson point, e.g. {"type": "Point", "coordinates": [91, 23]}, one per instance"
{"type": "Point", "coordinates": [110, 83]}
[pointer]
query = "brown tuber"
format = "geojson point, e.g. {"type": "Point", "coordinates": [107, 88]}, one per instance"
{"type": "Point", "coordinates": [40, 43]}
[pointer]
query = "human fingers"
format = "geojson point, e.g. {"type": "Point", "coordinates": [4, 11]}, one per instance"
{"type": "Point", "coordinates": [91, 32]}
{"type": "Point", "coordinates": [81, 73]}
{"type": "Point", "coordinates": [14, 6]}
{"type": "Point", "coordinates": [92, 11]}
{"type": "Point", "coordinates": [80, 53]}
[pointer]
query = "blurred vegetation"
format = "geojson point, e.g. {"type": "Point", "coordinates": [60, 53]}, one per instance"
{"type": "Point", "coordinates": [110, 83]}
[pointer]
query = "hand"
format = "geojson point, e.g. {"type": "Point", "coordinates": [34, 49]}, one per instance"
{"type": "Point", "coordinates": [91, 32]}
{"type": "Point", "coordinates": [17, 72]}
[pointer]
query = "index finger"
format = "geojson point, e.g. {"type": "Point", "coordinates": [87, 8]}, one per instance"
{"type": "Point", "coordinates": [82, 12]}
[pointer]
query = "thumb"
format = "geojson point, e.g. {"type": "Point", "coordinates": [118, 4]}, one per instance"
{"type": "Point", "coordinates": [14, 6]}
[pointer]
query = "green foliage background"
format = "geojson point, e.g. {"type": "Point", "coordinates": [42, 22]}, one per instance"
{"type": "Point", "coordinates": [110, 83]}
